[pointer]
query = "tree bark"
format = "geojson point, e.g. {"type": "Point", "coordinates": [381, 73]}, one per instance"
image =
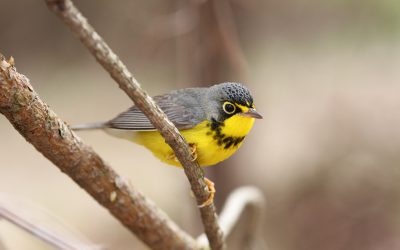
{"type": "Point", "coordinates": [51, 136]}
{"type": "Point", "coordinates": [71, 16]}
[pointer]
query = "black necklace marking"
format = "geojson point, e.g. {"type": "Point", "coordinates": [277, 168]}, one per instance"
{"type": "Point", "coordinates": [222, 139]}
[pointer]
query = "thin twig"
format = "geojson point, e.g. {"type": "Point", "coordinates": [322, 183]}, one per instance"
{"type": "Point", "coordinates": [66, 10]}
{"type": "Point", "coordinates": [42, 224]}
{"type": "Point", "coordinates": [242, 199]}
{"type": "Point", "coordinates": [40, 126]}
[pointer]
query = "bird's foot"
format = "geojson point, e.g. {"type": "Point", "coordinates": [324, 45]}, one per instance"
{"type": "Point", "coordinates": [193, 153]}
{"type": "Point", "coordinates": [211, 189]}
{"type": "Point", "coordinates": [173, 157]}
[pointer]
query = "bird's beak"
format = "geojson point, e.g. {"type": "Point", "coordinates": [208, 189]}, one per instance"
{"type": "Point", "coordinates": [251, 112]}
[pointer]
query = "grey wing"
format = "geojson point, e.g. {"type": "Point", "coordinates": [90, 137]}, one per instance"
{"type": "Point", "coordinates": [182, 113]}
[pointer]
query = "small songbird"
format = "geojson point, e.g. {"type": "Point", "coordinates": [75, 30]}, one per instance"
{"type": "Point", "coordinates": [213, 120]}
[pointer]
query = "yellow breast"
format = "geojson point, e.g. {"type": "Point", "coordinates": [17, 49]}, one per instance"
{"type": "Point", "coordinates": [214, 142]}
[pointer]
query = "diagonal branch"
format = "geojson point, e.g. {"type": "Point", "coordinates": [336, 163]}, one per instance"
{"type": "Point", "coordinates": [42, 224]}
{"type": "Point", "coordinates": [245, 199]}
{"type": "Point", "coordinates": [40, 126]}
{"type": "Point", "coordinates": [66, 10]}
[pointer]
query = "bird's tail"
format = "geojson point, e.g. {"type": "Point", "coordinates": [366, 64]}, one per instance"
{"type": "Point", "coordinates": [90, 126]}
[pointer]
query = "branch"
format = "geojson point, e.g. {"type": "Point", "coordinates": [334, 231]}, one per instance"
{"type": "Point", "coordinates": [40, 126]}
{"type": "Point", "coordinates": [78, 24]}
{"type": "Point", "coordinates": [40, 223]}
{"type": "Point", "coordinates": [243, 199]}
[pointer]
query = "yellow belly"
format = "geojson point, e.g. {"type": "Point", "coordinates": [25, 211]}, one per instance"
{"type": "Point", "coordinates": [209, 151]}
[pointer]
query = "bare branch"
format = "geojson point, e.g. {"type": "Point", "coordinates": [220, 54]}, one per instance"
{"type": "Point", "coordinates": [40, 126]}
{"type": "Point", "coordinates": [42, 224]}
{"type": "Point", "coordinates": [243, 199]}
{"type": "Point", "coordinates": [66, 10]}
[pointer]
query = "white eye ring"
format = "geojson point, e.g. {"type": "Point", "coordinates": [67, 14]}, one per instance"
{"type": "Point", "coordinates": [229, 108]}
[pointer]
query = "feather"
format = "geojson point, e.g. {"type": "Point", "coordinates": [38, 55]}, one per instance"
{"type": "Point", "coordinates": [184, 111]}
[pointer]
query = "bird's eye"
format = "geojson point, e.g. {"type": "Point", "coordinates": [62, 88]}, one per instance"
{"type": "Point", "coordinates": [229, 108]}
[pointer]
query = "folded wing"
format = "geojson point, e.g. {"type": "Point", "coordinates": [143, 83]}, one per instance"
{"type": "Point", "coordinates": [183, 116]}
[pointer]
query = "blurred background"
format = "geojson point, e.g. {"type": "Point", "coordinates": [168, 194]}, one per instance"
{"type": "Point", "coordinates": [324, 74]}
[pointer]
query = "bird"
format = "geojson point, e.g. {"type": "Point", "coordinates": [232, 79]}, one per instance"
{"type": "Point", "coordinates": [213, 120]}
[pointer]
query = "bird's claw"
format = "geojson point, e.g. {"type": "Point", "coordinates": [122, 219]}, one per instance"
{"type": "Point", "coordinates": [211, 189]}
{"type": "Point", "coordinates": [193, 153]}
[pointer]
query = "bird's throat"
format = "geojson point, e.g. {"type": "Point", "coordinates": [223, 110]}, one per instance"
{"type": "Point", "coordinates": [231, 132]}
{"type": "Point", "coordinates": [238, 125]}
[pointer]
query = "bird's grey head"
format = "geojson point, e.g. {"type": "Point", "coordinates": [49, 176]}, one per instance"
{"type": "Point", "coordinates": [224, 100]}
